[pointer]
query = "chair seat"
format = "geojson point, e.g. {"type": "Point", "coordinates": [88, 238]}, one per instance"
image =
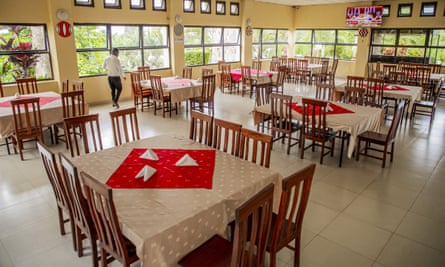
{"type": "Point", "coordinates": [282, 239]}
{"type": "Point", "coordinates": [374, 136]}
{"type": "Point", "coordinates": [215, 252]}
{"type": "Point", "coordinates": [423, 103]}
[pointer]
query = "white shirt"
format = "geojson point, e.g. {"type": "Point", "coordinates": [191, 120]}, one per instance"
{"type": "Point", "coordinates": [113, 65]}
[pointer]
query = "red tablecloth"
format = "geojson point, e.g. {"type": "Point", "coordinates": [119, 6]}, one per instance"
{"type": "Point", "coordinates": [236, 74]}
{"type": "Point", "coordinates": [335, 109]}
{"type": "Point", "coordinates": [178, 82]}
{"type": "Point", "coordinates": [42, 100]}
{"type": "Point", "coordinates": [168, 175]}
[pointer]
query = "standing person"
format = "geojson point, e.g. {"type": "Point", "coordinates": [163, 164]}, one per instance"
{"type": "Point", "coordinates": [114, 70]}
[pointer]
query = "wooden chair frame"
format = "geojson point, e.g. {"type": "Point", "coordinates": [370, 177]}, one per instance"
{"type": "Point", "coordinates": [26, 86]}
{"type": "Point", "coordinates": [252, 143]}
{"type": "Point", "coordinates": [90, 133]}
{"type": "Point", "coordinates": [225, 133]}
{"type": "Point", "coordinates": [124, 123]}
{"type": "Point", "coordinates": [201, 127]}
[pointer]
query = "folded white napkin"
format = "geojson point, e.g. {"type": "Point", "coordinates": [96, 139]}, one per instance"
{"type": "Point", "coordinates": [146, 173]}
{"type": "Point", "coordinates": [329, 108]}
{"type": "Point", "coordinates": [149, 154]}
{"type": "Point", "coordinates": [186, 160]}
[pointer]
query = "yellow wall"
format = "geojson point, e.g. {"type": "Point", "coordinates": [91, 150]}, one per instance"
{"type": "Point", "coordinates": [262, 15]}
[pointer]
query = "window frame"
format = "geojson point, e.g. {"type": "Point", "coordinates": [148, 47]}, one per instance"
{"type": "Point", "coordinates": [219, 4]}
{"type": "Point", "coordinates": [191, 10]}
{"type": "Point", "coordinates": [261, 43]}
{"type": "Point", "coordinates": [45, 51]}
{"type": "Point", "coordinates": [209, 5]}
{"type": "Point", "coordinates": [234, 9]}
{"type": "Point", "coordinates": [117, 5]}
{"type": "Point", "coordinates": [140, 7]}
{"type": "Point", "coordinates": [139, 47]}
{"type": "Point", "coordinates": [401, 6]}
{"type": "Point", "coordinates": [90, 3]}
{"type": "Point", "coordinates": [162, 8]}
{"type": "Point", "coordinates": [221, 43]}
{"type": "Point", "coordinates": [386, 11]}
{"type": "Point", "coordinates": [424, 5]}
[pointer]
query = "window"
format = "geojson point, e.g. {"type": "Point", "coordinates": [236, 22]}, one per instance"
{"type": "Point", "coordinates": [189, 6]}
{"type": "Point", "coordinates": [220, 7]}
{"type": "Point", "coordinates": [405, 10]}
{"type": "Point", "coordinates": [84, 3]}
{"type": "Point", "coordinates": [234, 9]}
{"type": "Point", "coordinates": [428, 9]}
{"type": "Point", "coordinates": [386, 10]}
{"type": "Point", "coordinates": [208, 45]}
{"type": "Point", "coordinates": [138, 44]}
{"type": "Point", "coordinates": [341, 44]}
{"type": "Point", "coordinates": [205, 7]}
{"type": "Point", "coordinates": [412, 45]}
{"type": "Point", "coordinates": [269, 42]}
{"type": "Point", "coordinates": [137, 4]}
{"type": "Point", "coordinates": [24, 52]}
{"type": "Point", "coordinates": [159, 5]}
{"type": "Point", "coordinates": [112, 4]}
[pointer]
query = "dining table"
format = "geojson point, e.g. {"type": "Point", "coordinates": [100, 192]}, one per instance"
{"type": "Point", "coordinates": [260, 76]}
{"type": "Point", "coordinates": [348, 118]}
{"type": "Point", "coordinates": [179, 207]}
{"type": "Point", "coordinates": [180, 89]}
{"type": "Point", "coordinates": [50, 110]}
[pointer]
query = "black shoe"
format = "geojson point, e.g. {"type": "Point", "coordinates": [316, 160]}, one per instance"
{"type": "Point", "coordinates": [117, 105]}
{"type": "Point", "coordinates": [114, 104]}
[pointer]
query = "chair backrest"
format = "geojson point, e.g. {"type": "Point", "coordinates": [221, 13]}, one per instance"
{"type": "Point", "coordinates": [354, 90]}
{"type": "Point", "coordinates": [395, 77]}
{"type": "Point", "coordinates": [78, 203]}
{"type": "Point", "coordinates": [208, 87]}
{"type": "Point", "coordinates": [225, 73]}
{"type": "Point", "coordinates": [252, 229]}
{"type": "Point", "coordinates": [100, 201]}
{"type": "Point", "coordinates": [324, 66]}
{"type": "Point", "coordinates": [374, 91]}
{"type": "Point", "coordinates": [1, 90]}
{"type": "Point", "coordinates": [256, 64]}
{"type": "Point", "coordinates": [283, 60]}
{"type": "Point", "coordinates": [227, 133]}
{"type": "Point", "coordinates": [27, 118]}
{"type": "Point", "coordinates": [370, 69]}
{"type": "Point", "coordinates": [410, 73]}
{"type": "Point", "coordinates": [436, 92]}
{"type": "Point", "coordinates": [206, 71]}
{"type": "Point", "coordinates": [325, 90]}
{"type": "Point", "coordinates": [397, 118]}
{"type": "Point", "coordinates": [156, 85]}
{"type": "Point", "coordinates": [27, 86]}
{"type": "Point", "coordinates": [435, 68]}
{"type": "Point", "coordinates": [77, 85]}
{"type": "Point", "coordinates": [90, 133]}
{"type": "Point", "coordinates": [334, 65]}
{"type": "Point", "coordinates": [187, 72]}
{"type": "Point", "coordinates": [387, 68]}
{"type": "Point", "coordinates": [253, 143]}
{"type": "Point", "coordinates": [73, 103]}
{"type": "Point", "coordinates": [294, 198]}
{"type": "Point", "coordinates": [220, 63]}
{"type": "Point", "coordinates": [55, 179]}
{"type": "Point", "coordinates": [246, 74]}
{"type": "Point", "coordinates": [424, 76]}
{"type": "Point", "coordinates": [314, 119]}
{"type": "Point", "coordinates": [281, 113]}
{"type": "Point", "coordinates": [281, 75]}
{"type": "Point", "coordinates": [145, 72]}
{"type": "Point", "coordinates": [65, 85]}
{"type": "Point", "coordinates": [125, 125]}
{"type": "Point", "coordinates": [262, 95]}
{"type": "Point", "coordinates": [201, 127]}
{"type": "Point", "coordinates": [136, 82]}
{"type": "Point", "coordinates": [274, 65]}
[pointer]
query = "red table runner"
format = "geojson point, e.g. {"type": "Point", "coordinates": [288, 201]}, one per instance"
{"type": "Point", "coordinates": [335, 109]}
{"type": "Point", "coordinates": [178, 82]}
{"type": "Point", "coordinates": [42, 100]}
{"type": "Point", "coordinates": [236, 74]}
{"type": "Point", "coordinates": [167, 175]}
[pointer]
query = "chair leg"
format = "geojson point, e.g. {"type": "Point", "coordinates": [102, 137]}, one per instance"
{"type": "Point", "coordinates": [103, 257]}
{"type": "Point", "coordinates": [79, 247]}
{"type": "Point", "coordinates": [358, 150]}
{"type": "Point", "coordinates": [273, 258]}
{"type": "Point", "coordinates": [385, 150]}
{"type": "Point", "coordinates": [392, 151]}
{"type": "Point", "coordinates": [94, 255]}
{"type": "Point", "coordinates": [61, 221]}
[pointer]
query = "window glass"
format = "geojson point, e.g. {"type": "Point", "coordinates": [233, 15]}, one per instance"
{"type": "Point", "coordinates": [346, 52]}
{"type": "Point", "coordinates": [384, 37]}
{"type": "Point", "coordinates": [212, 35]}
{"type": "Point", "coordinates": [303, 36]}
{"type": "Point", "coordinates": [303, 50]}
{"type": "Point", "coordinates": [269, 50]}
{"type": "Point", "coordinates": [212, 54]}
{"type": "Point", "coordinates": [324, 36]}
{"type": "Point", "coordinates": [157, 58]}
{"type": "Point", "coordinates": [412, 37]}
{"type": "Point", "coordinates": [84, 3]}
{"type": "Point", "coordinates": [256, 36]}
{"type": "Point", "coordinates": [155, 36]}
{"type": "Point", "coordinates": [192, 36]}
{"type": "Point", "coordinates": [270, 42]}
{"type": "Point", "coordinates": [232, 53]}
{"type": "Point", "coordinates": [125, 36]}
{"type": "Point", "coordinates": [231, 35]}
{"type": "Point", "coordinates": [137, 4]}
{"type": "Point", "coordinates": [189, 6]}
{"type": "Point", "coordinates": [88, 36]}
{"type": "Point", "coordinates": [269, 36]}
{"type": "Point", "coordinates": [347, 36]}
{"type": "Point", "coordinates": [159, 5]}
{"type": "Point", "coordinates": [322, 50]}
{"type": "Point", "coordinates": [112, 3]}
{"type": "Point", "coordinates": [283, 36]}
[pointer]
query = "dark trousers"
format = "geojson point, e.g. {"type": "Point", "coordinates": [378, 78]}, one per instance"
{"type": "Point", "coordinates": [116, 88]}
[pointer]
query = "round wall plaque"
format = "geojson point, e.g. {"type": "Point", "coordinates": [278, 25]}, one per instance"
{"type": "Point", "coordinates": [178, 29]}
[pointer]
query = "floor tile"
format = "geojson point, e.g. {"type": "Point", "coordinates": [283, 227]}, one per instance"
{"type": "Point", "coordinates": [331, 196]}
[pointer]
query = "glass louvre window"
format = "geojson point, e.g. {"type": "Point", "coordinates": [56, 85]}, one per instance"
{"type": "Point", "coordinates": [205, 7]}
{"type": "Point", "coordinates": [112, 3]}
{"type": "Point", "coordinates": [324, 43]}
{"type": "Point", "coordinates": [159, 5]}
{"type": "Point", "coordinates": [267, 43]}
{"type": "Point", "coordinates": [303, 43]}
{"type": "Point", "coordinates": [84, 3]}
{"type": "Point", "coordinates": [189, 6]}
{"type": "Point", "coordinates": [346, 47]}
{"type": "Point", "coordinates": [220, 7]}
{"type": "Point", "coordinates": [24, 52]}
{"type": "Point", "coordinates": [137, 4]}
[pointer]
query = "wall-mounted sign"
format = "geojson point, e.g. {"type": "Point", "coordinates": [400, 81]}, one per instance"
{"type": "Point", "coordinates": [369, 16]}
{"type": "Point", "coordinates": [64, 29]}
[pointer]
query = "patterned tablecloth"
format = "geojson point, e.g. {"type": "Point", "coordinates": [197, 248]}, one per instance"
{"type": "Point", "coordinates": [165, 224]}
{"type": "Point", "coordinates": [178, 88]}
{"type": "Point", "coordinates": [361, 119]}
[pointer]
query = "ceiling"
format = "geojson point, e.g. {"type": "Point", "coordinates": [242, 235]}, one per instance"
{"type": "Point", "coordinates": [309, 2]}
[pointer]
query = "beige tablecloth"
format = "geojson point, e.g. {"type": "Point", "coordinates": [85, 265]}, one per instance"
{"type": "Point", "coordinates": [437, 76]}
{"type": "Point", "coordinates": [363, 119]}
{"type": "Point", "coordinates": [165, 224]}
{"type": "Point", "coordinates": [179, 93]}
{"type": "Point", "coordinates": [51, 113]}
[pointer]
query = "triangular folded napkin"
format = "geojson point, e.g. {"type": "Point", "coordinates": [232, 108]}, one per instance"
{"type": "Point", "coordinates": [329, 108]}
{"type": "Point", "coordinates": [149, 154]}
{"type": "Point", "coordinates": [146, 173]}
{"type": "Point", "coordinates": [186, 160]}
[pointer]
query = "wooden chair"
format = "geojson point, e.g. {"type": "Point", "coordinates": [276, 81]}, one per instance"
{"type": "Point", "coordinates": [145, 72]}
{"type": "Point", "coordinates": [374, 93]}
{"type": "Point", "coordinates": [226, 79]}
{"type": "Point", "coordinates": [277, 86]}
{"type": "Point", "coordinates": [283, 60]}
{"type": "Point", "coordinates": [386, 69]}
{"type": "Point", "coordinates": [256, 65]}
{"type": "Point", "coordinates": [410, 74]}
{"type": "Point", "coordinates": [59, 189]}
{"type": "Point", "coordinates": [252, 230]}
{"type": "Point", "coordinates": [354, 90]}
{"type": "Point", "coordinates": [26, 86]}
{"type": "Point", "coordinates": [286, 225]}
{"type": "Point", "coordinates": [253, 143]}
{"type": "Point", "coordinates": [325, 90]}
{"type": "Point", "coordinates": [187, 72]}
{"type": "Point", "coordinates": [322, 75]}
{"type": "Point", "coordinates": [6, 138]}
{"type": "Point", "coordinates": [73, 105]}
{"type": "Point", "coordinates": [206, 99]}
{"type": "Point", "coordinates": [206, 71]}
{"type": "Point", "coordinates": [282, 124]}
{"type": "Point", "coordinates": [248, 84]}
{"type": "Point", "coordinates": [1, 89]}
{"type": "Point", "coordinates": [315, 129]}
{"type": "Point", "coordinates": [397, 77]}
{"type": "Point", "coordinates": [125, 126]}
{"type": "Point", "coordinates": [27, 122]}
{"type": "Point", "coordinates": [77, 85]}
{"type": "Point", "coordinates": [427, 106]}
{"type": "Point", "coordinates": [424, 80]}
{"type": "Point", "coordinates": [111, 240]}
{"type": "Point", "coordinates": [303, 72]}
{"type": "Point", "coordinates": [65, 86]}
{"type": "Point", "coordinates": [381, 139]}
{"type": "Point", "coordinates": [90, 133]}
{"type": "Point", "coordinates": [274, 65]}
{"type": "Point", "coordinates": [262, 97]}
{"type": "Point", "coordinates": [333, 70]}
{"type": "Point", "coordinates": [226, 133]}
{"type": "Point", "coordinates": [81, 216]}
{"type": "Point", "coordinates": [161, 99]}
{"type": "Point", "coordinates": [435, 68]}
{"type": "Point", "coordinates": [140, 93]}
{"type": "Point", "coordinates": [201, 127]}
{"type": "Point", "coordinates": [292, 70]}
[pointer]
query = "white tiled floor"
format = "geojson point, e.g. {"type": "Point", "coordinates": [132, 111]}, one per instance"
{"type": "Point", "coordinates": [359, 215]}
